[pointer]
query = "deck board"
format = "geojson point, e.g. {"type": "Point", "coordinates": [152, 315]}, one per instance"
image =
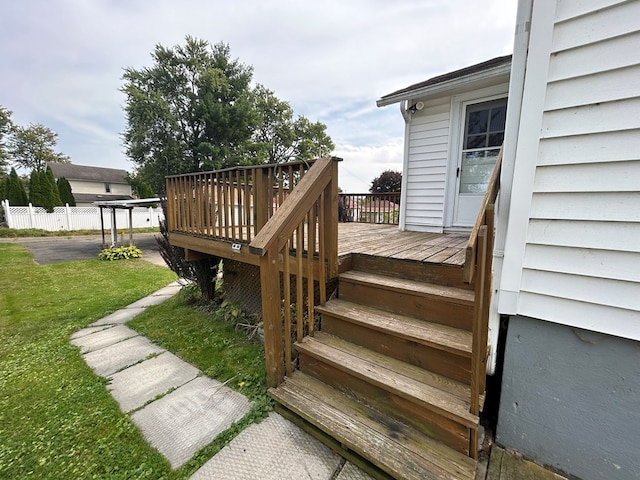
{"type": "Point", "coordinates": [388, 241]}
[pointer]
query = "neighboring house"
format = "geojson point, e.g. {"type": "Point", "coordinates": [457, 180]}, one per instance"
{"type": "Point", "coordinates": [93, 184]}
{"type": "Point", "coordinates": [567, 252]}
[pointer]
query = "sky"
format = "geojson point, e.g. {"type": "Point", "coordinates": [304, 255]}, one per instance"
{"type": "Point", "coordinates": [61, 63]}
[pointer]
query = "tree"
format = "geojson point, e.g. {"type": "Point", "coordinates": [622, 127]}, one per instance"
{"type": "Point", "coordinates": [66, 195]}
{"type": "Point", "coordinates": [33, 146]}
{"type": "Point", "coordinates": [188, 112]}
{"type": "Point", "coordinates": [389, 181]}
{"type": "Point", "coordinates": [37, 188]}
{"type": "Point", "coordinates": [14, 189]}
{"type": "Point", "coordinates": [279, 138]}
{"type": "Point", "coordinates": [141, 188]}
{"type": "Point", "coordinates": [6, 126]}
{"type": "Point", "coordinates": [194, 110]}
{"type": "Point", "coordinates": [43, 191]}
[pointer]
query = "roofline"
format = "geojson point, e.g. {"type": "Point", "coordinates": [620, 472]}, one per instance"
{"type": "Point", "coordinates": [446, 85]}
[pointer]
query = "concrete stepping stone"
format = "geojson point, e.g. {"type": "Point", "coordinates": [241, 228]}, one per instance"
{"type": "Point", "coordinates": [189, 418]}
{"type": "Point", "coordinates": [89, 331]}
{"type": "Point", "coordinates": [140, 383]}
{"type": "Point", "coordinates": [111, 359]}
{"type": "Point", "coordinates": [119, 317]}
{"type": "Point", "coordinates": [103, 338]}
{"type": "Point", "coordinates": [351, 472]}
{"type": "Point", "coordinates": [274, 449]}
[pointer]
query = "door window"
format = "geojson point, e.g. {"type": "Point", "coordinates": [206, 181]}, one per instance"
{"type": "Point", "coordinates": [483, 136]}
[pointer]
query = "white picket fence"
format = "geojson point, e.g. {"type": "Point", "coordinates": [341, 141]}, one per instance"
{"type": "Point", "coordinates": [77, 218]}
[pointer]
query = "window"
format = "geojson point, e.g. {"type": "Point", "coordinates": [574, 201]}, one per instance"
{"type": "Point", "coordinates": [483, 137]}
{"type": "Point", "coordinates": [107, 187]}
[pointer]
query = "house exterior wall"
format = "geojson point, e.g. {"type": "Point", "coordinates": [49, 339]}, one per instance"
{"type": "Point", "coordinates": [572, 250]}
{"type": "Point", "coordinates": [427, 153]}
{"type": "Point", "coordinates": [570, 399]}
{"type": "Point", "coordinates": [570, 279]}
{"type": "Point", "coordinates": [81, 186]}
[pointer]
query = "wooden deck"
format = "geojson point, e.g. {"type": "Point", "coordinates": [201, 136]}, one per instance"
{"type": "Point", "coordinates": [388, 241]}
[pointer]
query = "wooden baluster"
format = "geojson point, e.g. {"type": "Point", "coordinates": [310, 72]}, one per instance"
{"type": "Point", "coordinates": [311, 247]}
{"type": "Point", "coordinates": [232, 205]}
{"type": "Point", "coordinates": [299, 282]}
{"type": "Point", "coordinates": [286, 280]}
{"type": "Point", "coordinates": [322, 279]}
{"type": "Point", "coordinates": [240, 201]}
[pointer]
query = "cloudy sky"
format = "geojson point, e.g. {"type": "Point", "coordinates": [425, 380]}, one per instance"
{"type": "Point", "coordinates": [61, 62]}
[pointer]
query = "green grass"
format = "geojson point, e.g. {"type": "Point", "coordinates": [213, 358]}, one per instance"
{"type": "Point", "coordinates": [35, 232]}
{"type": "Point", "coordinates": [57, 419]}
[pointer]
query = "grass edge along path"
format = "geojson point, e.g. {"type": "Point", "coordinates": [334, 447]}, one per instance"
{"type": "Point", "coordinates": [57, 419]}
{"type": "Point", "coordinates": [208, 339]}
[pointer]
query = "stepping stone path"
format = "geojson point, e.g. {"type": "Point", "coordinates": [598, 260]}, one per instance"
{"type": "Point", "coordinates": [179, 410]}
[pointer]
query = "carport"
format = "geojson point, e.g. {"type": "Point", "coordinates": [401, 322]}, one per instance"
{"type": "Point", "coordinates": [112, 206]}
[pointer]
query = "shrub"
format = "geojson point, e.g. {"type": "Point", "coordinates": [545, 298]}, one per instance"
{"type": "Point", "coordinates": [203, 272]}
{"type": "Point", "coordinates": [120, 253]}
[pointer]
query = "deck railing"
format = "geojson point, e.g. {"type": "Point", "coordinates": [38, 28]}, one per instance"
{"type": "Point", "coordinates": [369, 208]}
{"type": "Point", "coordinates": [306, 223]}
{"type": "Point", "coordinates": [478, 271]}
{"type": "Point", "coordinates": [232, 204]}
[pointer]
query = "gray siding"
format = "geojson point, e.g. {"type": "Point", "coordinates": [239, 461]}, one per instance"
{"type": "Point", "coordinates": [570, 399]}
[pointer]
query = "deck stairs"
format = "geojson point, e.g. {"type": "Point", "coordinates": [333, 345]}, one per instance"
{"type": "Point", "coordinates": [386, 378]}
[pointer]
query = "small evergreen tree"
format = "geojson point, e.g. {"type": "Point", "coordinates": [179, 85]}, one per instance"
{"type": "Point", "coordinates": [66, 195]}
{"type": "Point", "coordinates": [15, 190]}
{"type": "Point", "coordinates": [37, 189]}
{"type": "Point", "coordinates": [53, 197]}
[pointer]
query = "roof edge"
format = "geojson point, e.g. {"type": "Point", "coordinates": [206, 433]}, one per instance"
{"type": "Point", "coordinates": [491, 68]}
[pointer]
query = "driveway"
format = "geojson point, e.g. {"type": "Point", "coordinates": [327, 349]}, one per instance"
{"type": "Point", "coordinates": [48, 250]}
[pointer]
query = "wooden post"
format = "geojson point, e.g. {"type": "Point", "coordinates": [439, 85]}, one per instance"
{"type": "Point", "coordinates": [104, 245]}
{"type": "Point", "coordinates": [270, 289]}
{"type": "Point", "coordinates": [331, 221]}
{"type": "Point", "coordinates": [261, 197]}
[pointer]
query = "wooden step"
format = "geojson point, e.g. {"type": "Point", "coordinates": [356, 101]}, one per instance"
{"type": "Point", "coordinates": [426, 301]}
{"type": "Point", "coordinates": [439, 274]}
{"type": "Point", "coordinates": [432, 346]}
{"type": "Point", "coordinates": [395, 448]}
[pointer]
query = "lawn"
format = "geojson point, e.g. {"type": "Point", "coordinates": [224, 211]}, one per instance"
{"type": "Point", "coordinates": [57, 419]}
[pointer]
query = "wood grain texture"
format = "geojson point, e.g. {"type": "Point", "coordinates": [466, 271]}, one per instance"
{"type": "Point", "coordinates": [395, 448]}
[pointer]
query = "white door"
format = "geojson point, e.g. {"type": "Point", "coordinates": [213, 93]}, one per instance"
{"type": "Point", "coordinates": [481, 140]}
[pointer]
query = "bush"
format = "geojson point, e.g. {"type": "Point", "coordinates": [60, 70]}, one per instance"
{"type": "Point", "coordinates": [120, 253]}
{"type": "Point", "coordinates": [204, 272]}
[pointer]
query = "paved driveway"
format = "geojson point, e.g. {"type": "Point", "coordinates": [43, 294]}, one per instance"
{"type": "Point", "coordinates": [82, 247]}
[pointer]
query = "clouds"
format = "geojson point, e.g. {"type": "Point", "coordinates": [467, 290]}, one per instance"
{"type": "Point", "coordinates": [62, 61]}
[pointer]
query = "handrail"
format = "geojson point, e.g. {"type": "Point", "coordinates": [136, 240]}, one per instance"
{"type": "Point", "coordinates": [478, 271]}
{"type": "Point", "coordinates": [306, 223]}
{"type": "Point", "coordinates": [294, 208]}
{"type": "Point", "coordinates": [489, 198]}
{"type": "Point", "coordinates": [232, 204]}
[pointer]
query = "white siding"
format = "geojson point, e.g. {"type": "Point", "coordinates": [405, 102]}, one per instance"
{"type": "Point", "coordinates": [581, 264]}
{"type": "Point", "coordinates": [428, 151]}
{"type": "Point", "coordinates": [81, 186]}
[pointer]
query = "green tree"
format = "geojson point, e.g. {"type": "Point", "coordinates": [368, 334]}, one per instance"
{"type": "Point", "coordinates": [53, 196]}
{"type": "Point", "coordinates": [188, 112]}
{"type": "Point", "coordinates": [64, 189]}
{"type": "Point", "coordinates": [37, 188]}
{"type": "Point", "coordinates": [6, 126]}
{"type": "Point", "coordinates": [14, 190]}
{"type": "Point", "coordinates": [278, 137]}
{"type": "Point", "coordinates": [141, 188]}
{"type": "Point", "coordinates": [33, 146]}
{"type": "Point", "coordinates": [389, 181]}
